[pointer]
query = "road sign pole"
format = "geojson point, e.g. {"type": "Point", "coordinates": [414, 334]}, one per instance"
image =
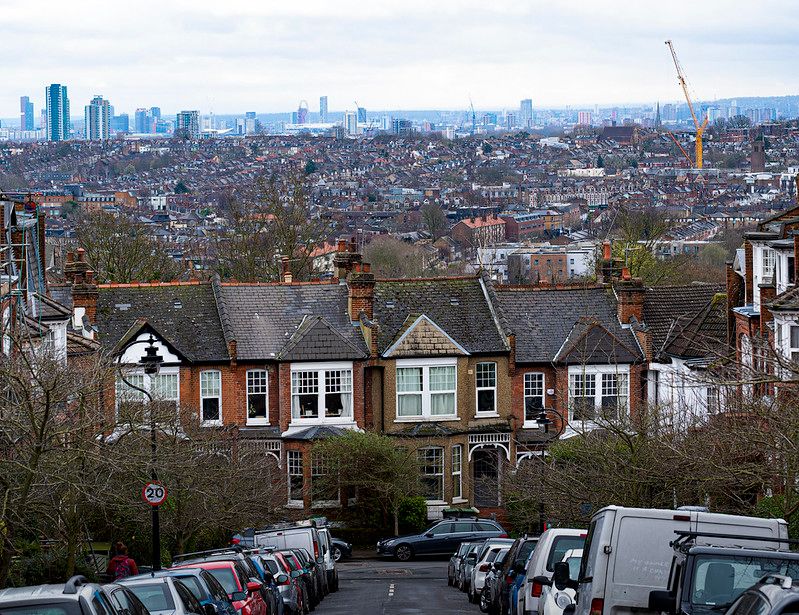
{"type": "Point", "coordinates": [156, 539]}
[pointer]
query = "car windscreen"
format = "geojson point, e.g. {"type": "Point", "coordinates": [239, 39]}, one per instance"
{"type": "Point", "coordinates": [524, 551]}
{"type": "Point", "coordinates": [718, 580]}
{"type": "Point", "coordinates": [155, 596]}
{"type": "Point", "coordinates": [68, 607]}
{"type": "Point", "coordinates": [193, 583]}
{"type": "Point", "coordinates": [227, 578]}
{"type": "Point", "coordinates": [560, 546]}
{"type": "Point", "coordinates": [272, 565]}
{"type": "Point", "coordinates": [574, 566]}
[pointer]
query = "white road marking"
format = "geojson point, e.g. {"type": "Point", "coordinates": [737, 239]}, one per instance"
{"type": "Point", "coordinates": [390, 590]}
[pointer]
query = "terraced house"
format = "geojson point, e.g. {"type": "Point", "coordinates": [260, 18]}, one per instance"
{"type": "Point", "coordinates": [457, 368]}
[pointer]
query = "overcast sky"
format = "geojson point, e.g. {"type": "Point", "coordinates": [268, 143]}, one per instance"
{"type": "Point", "coordinates": [231, 56]}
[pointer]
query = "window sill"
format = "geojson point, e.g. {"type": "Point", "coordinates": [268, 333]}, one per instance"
{"type": "Point", "coordinates": [459, 500]}
{"type": "Point", "coordinates": [295, 504]}
{"type": "Point", "coordinates": [328, 420]}
{"type": "Point", "coordinates": [425, 419]}
{"type": "Point", "coordinates": [531, 425]}
{"type": "Point", "coordinates": [436, 502]}
{"type": "Point", "coordinates": [326, 504]}
{"type": "Point", "coordinates": [211, 424]}
{"type": "Point", "coordinates": [256, 423]}
{"type": "Point", "coordinates": [486, 415]}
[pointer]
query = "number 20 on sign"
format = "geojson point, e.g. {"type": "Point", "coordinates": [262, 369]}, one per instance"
{"type": "Point", "coordinates": [154, 493]}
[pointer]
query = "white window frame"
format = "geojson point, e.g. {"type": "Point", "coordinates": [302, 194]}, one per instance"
{"type": "Point", "coordinates": [426, 393]}
{"type": "Point", "coordinates": [543, 397]}
{"type": "Point", "coordinates": [318, 463]}
{"type": "Point", "coordinates": [292, 459]}
{"type": "Point", "coordinates": [257, 420]}
{"type": "Point", "coordinates": [204, 396]}
{"type": "Point", "coordinates": [321, 369]}
{"type": "Point", "coordinates": [793, 351]}
{"type": "Point", "coordinates": [457, 474]}
{"type": "Point", "coordinates": [147, 382]}
{"type": "Point", "coordinates": [439, 474]}
{"type": "Point", "coordinates": [768, 266]}
{"type": "Point", "coordinates": [478, 389]}
{"type": "Point", "coordinates": [597, 372]}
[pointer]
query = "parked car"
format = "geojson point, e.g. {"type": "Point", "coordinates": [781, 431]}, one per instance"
{"type": "Point", "coordinates": [340, 549]}
{"type": "Point", "coordinates": [552, 545]}
{"type": "Point", "coordinates": [202, 584]}
{"type": "Point", "coordinates": [303, 576]}
{"type": "Point", "coordinates": [270, 593]}
{"type": "Point", "coordinates": [455, 562]}
{"type": "Point", "coordinates": [441, 538]}
{"type": "Point", "coordinates": [315, 572]}
{"type": "Point", "coordinates": [704, 579]}
{"type": "Point", "coordinates": [485, 558]}
{"type": "Point", "coordinates": [288, 584]}
{"type": "Point", "coordinates": [553, 599]}
{"type": "Point", "coordinates": [774, 594]}
{"type": "Point", "coordinates": [491, 583]}
{"type": "Point", "coordinates": [467, 565]}
{"type": "Point", "coordinates": [329, 561]}
{"type": "Point", "coordinates": [515, 564]}
{"type": "Point", "coordinates": [243, 590]}
{"type": "Point", "coordinates": [165, 595]}
{"type": "Point", "coordinates": [612, 578]}
{"type": "Point", "coordinates": [77, 596]}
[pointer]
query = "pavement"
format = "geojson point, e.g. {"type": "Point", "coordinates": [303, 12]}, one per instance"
{"type": "Point", "coordinates": [370, 586]}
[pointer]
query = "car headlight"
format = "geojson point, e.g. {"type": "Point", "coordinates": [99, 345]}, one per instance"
{"type": "Point", "coordinates": [562, 599]}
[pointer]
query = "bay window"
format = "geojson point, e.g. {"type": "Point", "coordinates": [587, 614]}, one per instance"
{"type": "Point", "coordinates": [533, 398]}
{"type": "Point", "coordinates": [321, 392]}
{"type": "Point", "coordinates": [486, 388]}
{"type": "Point", "coordinates": [426, 390]}
{"type": "Point", "coordinates": [431, 461]}
{"type": "Point", "coordinates": [164, 388]}
{"type": "Point", "coordinates": [257, 397]}
{"type": "Point", "coordinates": [211, 397]}
{"type": "Point", "coordinates": [598, 391]}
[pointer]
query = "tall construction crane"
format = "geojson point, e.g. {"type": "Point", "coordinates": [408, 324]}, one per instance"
{"type": "Point", "coordinates": [474, 118]}
{"type": "Point", "coordinates": [700, 128]}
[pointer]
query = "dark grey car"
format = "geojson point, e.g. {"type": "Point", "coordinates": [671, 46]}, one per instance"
{"type": "Point", "coordinates": [441, 538]}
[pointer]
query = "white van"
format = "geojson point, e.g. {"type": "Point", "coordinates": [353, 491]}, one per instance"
{"type": "Point", "coordinates": [329, 562]}
{"type": "Point", "coordinates": [628, 552]}
{"type": "Point", "coordinates": [551, 548]}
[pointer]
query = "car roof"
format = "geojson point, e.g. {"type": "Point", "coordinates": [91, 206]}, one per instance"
{"type": "Point", "coordinates": [141, 579]}
{"type": "Point", "coordinates": [770, 553]}
{"type": "Point", "coordinates": [207, 565]}
{"type": "Point", "coordinates": [69, 591]}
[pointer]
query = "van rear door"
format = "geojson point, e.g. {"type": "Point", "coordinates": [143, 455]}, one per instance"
{"type": "Point", "coordinates": [593, 567]}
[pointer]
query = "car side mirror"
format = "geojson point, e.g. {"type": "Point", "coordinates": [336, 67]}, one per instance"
{"type": "Point", "coordinates": [320, 560]}
{"type": "Point", "coordinates": [542, 580]}
{"type": "Point", "coordinates": [209, 609]}
{"type": "Point", "coordinates": [661, 601]}
{"type": "Point", "coordinates": [254, 586]}
{"type": "Point", "coordinates": [296, 573]}
{"type": "Point", "coordinates": [519, 568]}
{"type": "Point", "coordinates": [560, 577]}
{"type": "Point", "coordinates": [281, 578]}
{"type": "Point", "coordinates": [471, 559]}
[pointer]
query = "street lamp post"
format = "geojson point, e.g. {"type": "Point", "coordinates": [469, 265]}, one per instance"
{"type": "Point", "coordinates": [544, 420]}
{"type": "Point", "coordinates": [150, 363]}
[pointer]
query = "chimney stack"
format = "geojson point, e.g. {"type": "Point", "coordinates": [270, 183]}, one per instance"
{"type": "Point", "coordinates": [285, 270]}
{"type": "Point", "coordinates": [630, 293]}
{"type": "Point", "coordinates": [361, 295]}
{"type": "Point", "coordinates": [345, 259]}
{"type": "Point", "coordinates": [84, 287]}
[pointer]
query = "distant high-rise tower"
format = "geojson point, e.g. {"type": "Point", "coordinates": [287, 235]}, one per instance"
{"type": "Point", "coordinates": [526, 113]}
{"type": "Point", "coordinates": [351, 122]}
{"type": "Point", "coordinates": [758, 155]}
{"type": "Point", "coordinates": [302, 113]}
{"type": "Point", "coordinates": [25, 113]}
{"type": "Point", "coordinates": [141, 123]}
{"type": "Point", "coordinates": [98, 119]}
{"type": "Point", "coordinates": [361, 115]}
{"type": "Point", "coordinates": [155, 112]}
{"type": "Point", "coordinates": [57, 112]}
{"type": "Point", "coordinates": [323, 109]}
{"type": "Point", "coordinates": [187, 125]}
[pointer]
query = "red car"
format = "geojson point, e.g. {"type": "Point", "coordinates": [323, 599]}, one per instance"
{"type": "Point", "coordinates": [244, 593]}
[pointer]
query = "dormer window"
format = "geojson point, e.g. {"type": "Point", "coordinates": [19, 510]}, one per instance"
{"type": "Point", "coordinates": [769, 259]}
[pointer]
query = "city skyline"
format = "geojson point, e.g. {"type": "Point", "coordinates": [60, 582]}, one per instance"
{"type": "Point", "coordinates": [388, 55]}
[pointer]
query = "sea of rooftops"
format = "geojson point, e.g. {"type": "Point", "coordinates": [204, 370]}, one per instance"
{"type": "Point", "coordinates": [378, 185]}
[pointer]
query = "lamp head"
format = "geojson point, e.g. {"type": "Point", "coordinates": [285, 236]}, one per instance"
{"type": "Point", "coordinates": [151, 360]}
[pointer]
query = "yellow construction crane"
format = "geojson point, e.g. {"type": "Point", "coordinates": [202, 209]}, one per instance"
{"type": "Point", "coordinates": [700, 128]}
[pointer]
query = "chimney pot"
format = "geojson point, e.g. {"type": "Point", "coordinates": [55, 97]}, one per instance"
{"type": "Point", "coordinates": [606, 251]}
{"type": "Point", "coordinates": [342, 245]}
{"type": "Point", "coordinates": [81, 254]}
{"type": "Point", "coordinates": [90, 276]}
{"type": "Point", "coordinates": [367, 267]}
{"type": "Point", "coordinates": [70, 257]}
{"type": "Point", "coordinates": [625, 274]}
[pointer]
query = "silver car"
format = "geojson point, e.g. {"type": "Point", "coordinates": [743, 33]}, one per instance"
{"type": "Point", "coordinates": [289, 590]}
{"type": "Point", "coordinates": [164, 595]}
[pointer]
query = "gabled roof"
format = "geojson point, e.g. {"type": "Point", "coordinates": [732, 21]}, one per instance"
{"type": "Point", "coordinates": [264, 318]}
{"type": "Point", "coordinates": [139, 327]}
{"type": "Point", "coordinates": [590, 343]}
{"type": "Point", "coordinates": [787, 301]}
{"type": "Point", "coordinates": [420, 336]}
{"type": "Point", "coordinates": [458, 306]}
{"type": "Point", "coordinates": [666, 305]}
{"type": "Point", "coordinates": [703, 335]}
{"type": "Point", "coordinates": [545, 320]}
{"type": "Point", "coordinates": [317, 340]}
{"type": "Point", "coordinates": [186, 311]}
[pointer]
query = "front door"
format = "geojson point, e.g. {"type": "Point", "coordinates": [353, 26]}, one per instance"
{"type": "Point", "coordinates": [485, 464]}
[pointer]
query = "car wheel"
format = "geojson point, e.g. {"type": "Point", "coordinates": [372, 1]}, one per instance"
{"type": "Point", "coordinates": [484, 606]}
{"type": "Point", "coordinates": [335, 584]}
{"type": "Point", "coordinates": [449, 581]}
{"type": "Point", "coordinates": [337, 554]}
{"type": "Point", "coordinates": [403, 552]}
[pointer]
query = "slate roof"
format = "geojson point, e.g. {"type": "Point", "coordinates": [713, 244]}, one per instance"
{"type": "Point", "coordinates": [547, 321]}
{"type": "Point", "coordinates": [317, 432]}
{"type": "Point", "coordinates": [184, 314]}
{"type": "Point", "coordinates": [424, 430]}
{"type": "Point", "coordinates": [590, 343]}
{"type": "Point", "coordinates": [265, 321]}
{"type": "Point", "coordinates": [704, 334]}
{"type": "Point", "coordinates": [665, 305]}
{"type": "Point", "coordinates": [456, 305]}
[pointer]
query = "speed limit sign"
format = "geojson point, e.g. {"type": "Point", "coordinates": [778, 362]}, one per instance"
{"type": "Point", "coordinates": [154, 493]}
